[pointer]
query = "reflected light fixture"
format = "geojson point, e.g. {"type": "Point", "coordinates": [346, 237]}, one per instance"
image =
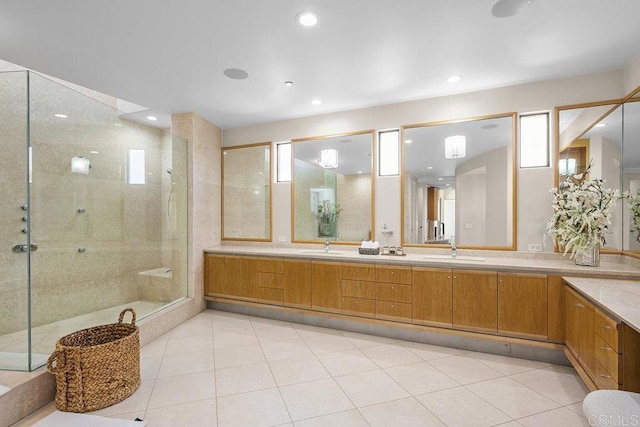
{"type": "Point", "coordinates": [328, 158]}
{"type": "Point", "coordinates": [453, 79]}
{"type": "Point", "coordinates": [316, 102]}
{"type": "Point", "coordinates": [152, 118]}
{"type": "Point", "coordinates": [307, 19]}
{"type": "Point", "coordinates": [80, 164]}
{"type": "Point", "coordinates": [600, 125]}
{"type": "Point", "coordinates": [455, 147]}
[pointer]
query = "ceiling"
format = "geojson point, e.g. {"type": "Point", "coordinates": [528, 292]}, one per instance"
{"type": "Point", "coordinates": [170, 56]}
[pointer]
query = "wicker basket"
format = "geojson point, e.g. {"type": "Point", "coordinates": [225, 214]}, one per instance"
{"type": "Point", "coordinates": [97, 367]}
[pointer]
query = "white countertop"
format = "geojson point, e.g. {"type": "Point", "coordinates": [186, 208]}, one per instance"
{"type": "Point", "coordinates": [620, 297]}
{"type": "Point", "coordinates": [525, 262]}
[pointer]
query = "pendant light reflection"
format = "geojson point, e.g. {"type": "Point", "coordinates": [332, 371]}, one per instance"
{"type": "Point", "coordinates": [328, 158]}
{"type": "Point", "coordinates": [455, 147]}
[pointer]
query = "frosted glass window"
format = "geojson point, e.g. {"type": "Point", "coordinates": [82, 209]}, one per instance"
{"type": "Point", "coordinates": [283, 160]}
{"type": "Point", "coordinates": [534, 140]}
{"type": "Point", "coordinates": [389, 164]}
{"type": "Point", "coordinates": [136, 170]}
{"type": "Point", "coordinates": [568, 166]}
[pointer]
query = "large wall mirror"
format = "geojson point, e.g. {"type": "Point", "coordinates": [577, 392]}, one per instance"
{"type": "Point", "coordinates": [332, 188]}
{"type": "Point", "coordinates": [246, 195]}
{"type": "Point", "coordinates": [593, 134]}
{"type": "Point", "coordinates": [459, 180]}
{"type": "Point", "coordinates": [631, 173]}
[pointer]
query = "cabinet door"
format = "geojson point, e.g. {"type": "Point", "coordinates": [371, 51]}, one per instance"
{"type": "Point", "coordinates": [572, 325]}
{"type": "Point", "coordinates": [475, 300]}
{"type": "Point", "coordinates": [587, 340]}
{"type": "Point", "coordinates": [522, 304]}
{"type": "Point", "coordinates": [213, 274]}
{"type": "Point", "coordinates": [235, 274]}
{"type": "Point", "coordinates": [297, 283]}
{"type": "Point", "coordinates": [432, 295]}
{"type": "Point", "coordinates": [325, 286]}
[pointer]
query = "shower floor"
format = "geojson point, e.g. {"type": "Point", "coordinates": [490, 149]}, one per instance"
{"type": "Point", "coordinates": [13, 347]}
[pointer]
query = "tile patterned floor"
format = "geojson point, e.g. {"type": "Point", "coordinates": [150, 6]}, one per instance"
{"type": "Point", "coordinates": [224, 369]}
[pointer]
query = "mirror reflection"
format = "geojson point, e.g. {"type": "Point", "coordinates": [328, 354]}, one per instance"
{"type": "Point", "coordinates": [594, 135]}
{"type": "Point", "coordinates": [246, 197]}
{"type": "Point", "coordinates": [459, 181]}
{"type": "Point", "coordinates": [631, 172]}
{"type": "Point", "coordinates": [332, 188]}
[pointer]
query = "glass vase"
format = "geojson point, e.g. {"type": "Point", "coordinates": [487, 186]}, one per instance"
{"type": "Point", "coordinates": [590, 257]}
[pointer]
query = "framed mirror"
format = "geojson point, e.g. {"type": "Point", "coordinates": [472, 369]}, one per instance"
{"type": "Point", "coordinates": [458, 179]}
{"type": "Point", "coordinates": [246, 192]}
{"type": "Point", "coordinates": [332, 188]}
{"type": "Point", "coordinates": [592, 134]}
{"type": "Point", "coordinates": [631, 176]}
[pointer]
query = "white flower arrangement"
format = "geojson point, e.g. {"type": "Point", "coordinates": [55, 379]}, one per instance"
{"type": "Point", "coordinates": [634, 210]}
{"type": "Point", "coordinates": [582, 211]}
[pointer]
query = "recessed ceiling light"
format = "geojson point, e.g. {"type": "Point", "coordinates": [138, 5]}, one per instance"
{"type": "Point", "coordinates": [94, 152]}
{"type": "Point", "coordinates": [236, 73]}
{"type": "Point", "coordinates": [152, 118]}
{"type": "Point", "coordinates": [453, 79]}
{"type": "Point", "coordinates": [408, 141]}
{"type": "Point", "coordinates": [61, 116]}
{"type": "Point", "coordinates": [359, 171]}
{"type": "Point", "coordinates": [316, 102]}
{"type": "Point", "coordinates": [429, 167]}
{"type": "Point", "coordinates": [507, 8]}
{"type": "Point", "coordinates": [440, 179]}
{"type": "Point", "coordinates": [288, 83]}
{"type": "Point", "coordinates": [307, 19]}
{"type": "Point", "coordinates": [600, 125]}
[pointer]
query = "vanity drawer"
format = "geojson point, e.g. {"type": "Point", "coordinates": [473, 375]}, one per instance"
{"type": "Point", "coordinates": [271, 295]}
{"type": "Point", "coordinates": [604, 380]}
{"type": "Point", "coordinates": [358, 288]}
{"type": "Point", "coordinates": [359, 305]}
{"type": "Point", "coordinates": [358, 272]}
{"type": "Point", "coordinates": [607, 329]}
{"type": "Point", "coordinates": [393, 274]}
{"type": "Point", "coordinates": [267, 265]}
{"type": "Point", "coordinates": [270, 280]}
{"type": "Point", "coordinates": [393, 292]}
{"type": "Point", "coordinates": [393, 309]}
{"type": "Point", "coordinates": [608, 358]}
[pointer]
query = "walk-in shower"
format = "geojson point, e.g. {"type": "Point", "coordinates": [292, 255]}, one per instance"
{"type": "Point", "coordinates": [90, 220]}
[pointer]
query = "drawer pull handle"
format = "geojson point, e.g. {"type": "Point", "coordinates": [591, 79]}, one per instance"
{"type": "Point", "coordinates": [357, 284]}
{"type": "Point", "coordinates": [605, 376]}
{"type": "Point", "coordinates": [606, 327]}
{"type": "Point", "coordinates": [579, 305]}
{"type": "Point", "coordinates": [604, 347]}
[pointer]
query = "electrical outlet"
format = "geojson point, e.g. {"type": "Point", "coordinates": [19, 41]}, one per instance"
{"type": "Point", "coordinates": [282, 239]}
{"type": "Point", "coordinates": [535, 247]}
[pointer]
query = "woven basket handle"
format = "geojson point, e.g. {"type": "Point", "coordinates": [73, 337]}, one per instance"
{"type": "Point", "coordinates": [54, 358]}
{"type": "Point", "coordinates": [123, 312]}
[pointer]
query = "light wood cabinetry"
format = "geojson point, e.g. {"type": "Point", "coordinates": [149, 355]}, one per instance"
{"type": "Point", "coordinates": [522, 305]}
{"type": "Point", "coordinates": [475, 300]}
{"type": "Point", "coordinates": [297, 283]}
{"type": "Point", "coordinates": [433, 296]}
{"type": "Point", "coordinates": [213, 274]}
{"type": "Point", "coordinates": [236, 279]}
{"type": "Point", "coordinates": [326, 293]}
{"type": "Point", "coordinates": [580, 335]}
{"type": "Point", "coordinates": [393, 291]}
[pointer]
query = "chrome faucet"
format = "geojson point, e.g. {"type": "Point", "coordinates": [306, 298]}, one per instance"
{"type": "Point", "coordinates": [454, 250]}
{"type": "Point", "coordinates": [327, 245]}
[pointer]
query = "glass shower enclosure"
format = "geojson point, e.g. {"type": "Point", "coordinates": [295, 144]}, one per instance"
{"type": "Point", "coordinates": [93, 215]}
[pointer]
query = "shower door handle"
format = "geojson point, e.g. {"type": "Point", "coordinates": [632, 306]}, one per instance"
{"type": "Point", "coordinates": [25, 248]}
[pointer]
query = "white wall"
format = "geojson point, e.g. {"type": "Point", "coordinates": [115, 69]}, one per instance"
{"type": "Point", "coordinates": [534, 199]}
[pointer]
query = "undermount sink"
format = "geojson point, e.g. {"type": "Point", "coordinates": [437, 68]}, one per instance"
{"type": "Point", "coordinates": [456, 258]}
{"type": "Point", "coordinates": [321, 252]}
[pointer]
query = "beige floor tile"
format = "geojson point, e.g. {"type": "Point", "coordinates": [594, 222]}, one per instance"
{"type": "Point", "coordinates": [185, 363]}
{"type": "Point", "coordinates": [369, 388]}
{"type": "Point", "coordinates": [404, 412]}
{"type": "Point", "coordinates": [561, 417]}
{"type": "Point", "coordinates": [577, 408]}
{"type": "Point", "coordinates": [430, 352]}
{"type": "Point", "coordinates": [559, 383]}
{"type": "Point", "coordinates": [241, 379]}
{"type": "Point", "coordinates": [290, 349]}
{"type": "Point", "coordinates": [225, 338]}
{"type": "Point", "coordinates": [388, 355]}
{"type": "Point", "coordinates": [465, 370]}
{"type": "Point", "coordinates": [347, 362]}
{"type": "Point", "coordinates": [460, 407]}
{"type": "Point", "coordinates": [309, 331]}
{"type": "Point", "coordinates": [185, 388]}
{"type": "Point", "coordinates": [149, 367]}
{"type": "Point", "coordinates": [232, 324]}
{"type": "Point", "coordinates": [293, 371]}
{"type": "Point", "coordinates": [189, 344]}
{"type": "Point", "coordinates": [314, 398]}
{"type": "Point", "coordinates": [507, 365]}
{"type": "Point", "coordinates": [321, 344]}
{"type": "Point", "coordinates": [419, 378]}
{"type": "Point", "coordinates": [200, 413]}
{"type": "Point", "coordinates": [238, 356]}
{"type": "Point", "coordinates": [186, 330]}
{"type": "Point", "coordinates": [263, 322]}
{"type": "Point", "coordinates": [137, 402]}
{"type": "Point", "coordinates": [269, 333]}
{"type": "Point", "coordinates": [36, 416]}
{"type": "Point", "coordinates": [257, 408]}
{"type": "Point", "coordinates": [350, 418]}
{"type": "Point", "coordinates": [155, 348]}
{"type": "Point", "coordinates": [365, 340]}
{"type": "Point", "coordinates": [512, 398]}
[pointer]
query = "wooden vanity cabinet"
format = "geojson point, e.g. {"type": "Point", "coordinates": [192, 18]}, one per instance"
{"type": "Point", "coordinates": [326, 294]}
{"type": "Point", "coordinates": [522, 305]}
{"type": "Point", "coordinates": [475, 300]}
{"type": "Point", "coordinates": [393, 292]}
{"type": "Point", "coordinates": [297, 283]}
{"type": "Point", "coordinates": [358, 289]}
{"type": "Point", "coordinates": [213, 274]}
{"type": "Point", "coordinates": [235, 276]}
{"type": "Point", "coordinates": [433, 296]}
{"type": "Point", "coordinates": [579, 330]}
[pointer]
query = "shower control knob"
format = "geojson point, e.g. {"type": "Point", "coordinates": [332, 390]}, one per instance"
{"type": "Point", "coordinates": [82, 250]}
{"type": "Point", "coordinates": [25, 230]}
{"type": "Point", "coordinates": [24, 207]}
{"type": "Point", "coordinates": [25, 218]}
{"type": "Point", "coordinates": [81, 210]}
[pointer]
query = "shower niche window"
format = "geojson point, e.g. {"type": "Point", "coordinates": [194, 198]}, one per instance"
{"type": "Point", "coordinates": [96, 207]}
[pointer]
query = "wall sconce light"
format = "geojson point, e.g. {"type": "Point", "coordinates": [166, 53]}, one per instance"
{"type": "Point", "coordinates": [80, 164]}
{"type": "Point", "coordinates": [328, 158]}
{"type": "Point", "coordinates": [455, 147]}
